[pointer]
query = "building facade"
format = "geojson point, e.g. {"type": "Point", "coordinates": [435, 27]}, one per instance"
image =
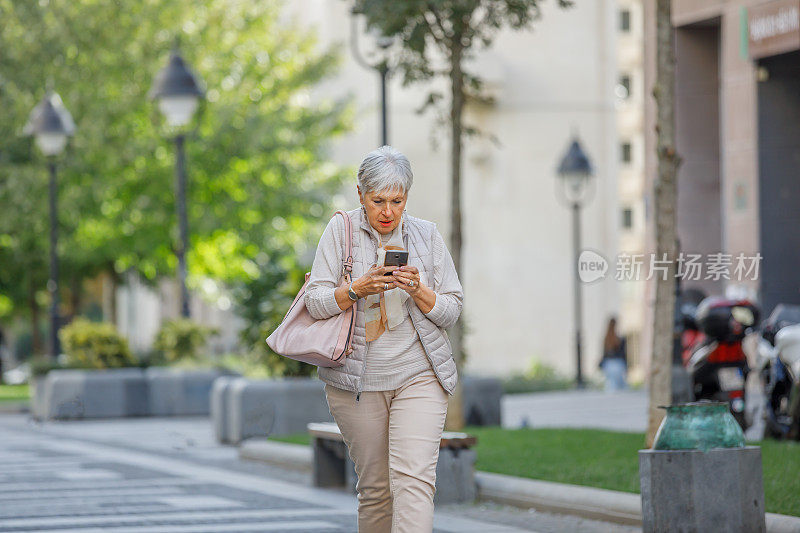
{"type": "Point", "coordinates": [549, 83]}
{"type": "Point", "coordinates": [630, 100]}
{"type": "Point", "coordinates": [738, 134]}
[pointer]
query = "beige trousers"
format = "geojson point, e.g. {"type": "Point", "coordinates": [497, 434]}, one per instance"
{"type": "Point", "coordinates": [393, 438]}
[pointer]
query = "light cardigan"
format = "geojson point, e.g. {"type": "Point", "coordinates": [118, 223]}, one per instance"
{"type": "Point", "coordinates": [438, 273]}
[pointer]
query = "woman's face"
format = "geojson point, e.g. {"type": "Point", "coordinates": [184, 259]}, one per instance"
{"type": "Point", "coordinates": [384, 208]}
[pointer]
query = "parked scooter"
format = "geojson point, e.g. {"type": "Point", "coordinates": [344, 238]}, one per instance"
{"type": "Point", "coordinates": [713, 354]}
{"type": "Point", "coordinates": [779, 369]}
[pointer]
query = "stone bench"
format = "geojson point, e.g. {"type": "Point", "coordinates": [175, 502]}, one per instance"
{"type": "Point", "coordinates": [455, 471]}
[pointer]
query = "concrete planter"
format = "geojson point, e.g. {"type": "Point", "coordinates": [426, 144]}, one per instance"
{"type": "Point", "coordinates": [482, 401]}
{"type": "Point", "coordinates": [174, 392]}
{"type": "Point", "coordinates": [122, 392]}
{"type": "Point", "coordinates": [247, 408]}
{"type": "Point", "coordinates": [68, 394]}
{"type": "Point", "coordinates": [689, 490]}
{"type": "Point", "coordinates": [244, 408]}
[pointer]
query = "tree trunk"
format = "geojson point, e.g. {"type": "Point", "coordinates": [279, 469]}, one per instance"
{"type": "Point", "coordinates": [455, 414]}
{"type": "Point", "coordinates": [75, 297]}
{"type": "Point", "coordinates": [665, 200]}
{"type": "Point", "coordinates": [36, 342]}
{"type": "Point", "coordinates": [109, 291]}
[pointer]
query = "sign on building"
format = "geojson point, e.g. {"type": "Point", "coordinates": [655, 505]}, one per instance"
{"type": "Point", "coordinates": [773, 28]}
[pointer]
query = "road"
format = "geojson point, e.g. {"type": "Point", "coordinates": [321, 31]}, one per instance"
{"type": "Point", "coordinates": [168, 475]}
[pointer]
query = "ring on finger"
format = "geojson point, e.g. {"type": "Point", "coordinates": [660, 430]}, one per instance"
{"type": "Point", "coordinates": [411, 283]}
{"type": "Point", "coordinates": [386, 286]}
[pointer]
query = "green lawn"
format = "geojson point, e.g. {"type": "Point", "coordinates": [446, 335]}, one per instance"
{"type": "Point", "coordinates": [14, 393]}
{"type": "Point", "coordinates": [607, 459]}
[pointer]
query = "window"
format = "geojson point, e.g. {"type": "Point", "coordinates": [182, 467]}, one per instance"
{"type": "Point", "coordinates": [627, 218]}
{"type": "Point", "coordinates": [625, 152]}
{"type": "Point", "coordinates": [624, 86]}
{"type": "Point", "coordinates": [625, 21]}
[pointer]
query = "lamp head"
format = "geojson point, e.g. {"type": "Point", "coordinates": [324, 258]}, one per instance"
{"type": "Point", "coordinates": [50, 124]}
{"type": "Point", "coordinates": [575, 168]}
{"type": "Point", "coordinates": [177, 91]}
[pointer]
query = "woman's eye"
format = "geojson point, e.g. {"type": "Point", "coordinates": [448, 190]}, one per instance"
{"type": "Point", "coordinates": [397, 201]}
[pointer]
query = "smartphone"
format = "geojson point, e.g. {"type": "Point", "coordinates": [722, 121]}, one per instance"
{"type": "Point", "coordinates": [395, 258]}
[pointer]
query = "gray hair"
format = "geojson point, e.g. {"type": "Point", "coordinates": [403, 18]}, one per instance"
{"type": "Point", "coordinates": [385, 169]}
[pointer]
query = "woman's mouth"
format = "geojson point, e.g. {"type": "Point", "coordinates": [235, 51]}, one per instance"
{"type": "Point", "coordinates": [385, 223]}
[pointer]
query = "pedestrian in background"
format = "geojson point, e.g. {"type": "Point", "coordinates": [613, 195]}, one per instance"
{"type": "Point", "coordinates": [615, 358]}
{"type": "Point", "coordinates": [390, 397]}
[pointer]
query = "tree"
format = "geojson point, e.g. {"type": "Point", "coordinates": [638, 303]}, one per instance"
{"type": "Point", "coordinates": [665, 201]}
{"type": "Point", "coordinates": [453, 29]}
{"type": "Point", "coordinates": [259, 182]}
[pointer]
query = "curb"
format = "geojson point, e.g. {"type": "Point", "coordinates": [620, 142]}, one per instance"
{"type": "Point", "coordinates": [14, 407]}
{"type": "Point", "coordinates": [294, 456]}
{"type": "Point", "coordinates": [586, 502]}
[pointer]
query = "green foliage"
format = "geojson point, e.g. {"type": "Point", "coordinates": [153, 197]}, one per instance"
{"type": "Point", "coordinates": [95, 345]}
{"type": "Point", "coordinates": [14, 393]}
{"type": "Point", "coordinates": [182, 339]}
{"type": "Point", "coordinates": [539, 370]}
{"type": "Point", "coordinates": [263, 302]}
{"type": "Point", "coordinates": [538, 377]}
{"type": "Point", "coordinates": [259, 182]}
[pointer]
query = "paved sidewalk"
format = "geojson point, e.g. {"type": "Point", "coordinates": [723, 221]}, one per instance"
{"type": "Point", "coordinates": [167, 475]}
{"type": "Point", "coordinates": [619, 411]}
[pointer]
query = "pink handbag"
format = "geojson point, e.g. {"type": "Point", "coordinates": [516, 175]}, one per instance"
{"type": "Point", "coordinates": [325, 342]}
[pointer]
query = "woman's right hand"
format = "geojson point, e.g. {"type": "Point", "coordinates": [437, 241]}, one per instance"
{"type": "Point", "coordinates": [374, 281]}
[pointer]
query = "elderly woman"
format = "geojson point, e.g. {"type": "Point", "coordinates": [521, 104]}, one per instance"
{"type": "Point", "coordinates": [390, 397]}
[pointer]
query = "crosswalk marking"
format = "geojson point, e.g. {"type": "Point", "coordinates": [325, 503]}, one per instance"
{"type": "Point", "coordinates": [78, 485]}
{"type": "Point", "coordinates": [176, 516]}
{"type": "Point", "coordinates": [192, 501]}
{"type": "Point", "coordinates": [204, 528]}
{"type": "Point", "coordinates": [89, 493]}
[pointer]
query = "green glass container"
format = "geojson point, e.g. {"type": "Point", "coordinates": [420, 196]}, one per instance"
{"type": "Point", "coordinates": [698, 426]}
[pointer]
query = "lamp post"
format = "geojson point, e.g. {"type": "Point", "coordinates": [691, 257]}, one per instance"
{"type": "Point", "coordinates": [178, 93]}
{"type": "Point", "coordinates": [50, 124]}
{"type": "Point", "coordinates": [574, 172]}
{"type": "Point", "coordinates": [383, 44]}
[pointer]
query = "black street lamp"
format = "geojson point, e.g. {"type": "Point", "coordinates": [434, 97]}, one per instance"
{"type": "Point", "coordinates": [50, 124]}
{"type": "Point", "coordinates": [383, 44]}
{"type": "Point", "coordinates": [574, 172]}
{"type": "Point", "coordinates": [178, 94]}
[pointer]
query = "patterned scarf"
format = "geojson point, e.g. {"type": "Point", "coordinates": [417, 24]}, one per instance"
{"type": "Point", "coordinates": [385, 310]}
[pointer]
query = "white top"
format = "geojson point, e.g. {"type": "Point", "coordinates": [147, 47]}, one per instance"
{"type": "Point", "coordinates": [394, 357]}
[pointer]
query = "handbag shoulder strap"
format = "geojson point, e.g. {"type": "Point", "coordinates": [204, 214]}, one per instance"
{"type": "Point", "coordinates": [347, 262]}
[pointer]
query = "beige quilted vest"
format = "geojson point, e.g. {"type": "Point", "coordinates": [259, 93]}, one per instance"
{"type": "Point", "coordinates": [418, 235]}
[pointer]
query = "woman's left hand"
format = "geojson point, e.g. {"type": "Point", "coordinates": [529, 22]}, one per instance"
{"type": "Point", "coordinates": [407, 278]}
